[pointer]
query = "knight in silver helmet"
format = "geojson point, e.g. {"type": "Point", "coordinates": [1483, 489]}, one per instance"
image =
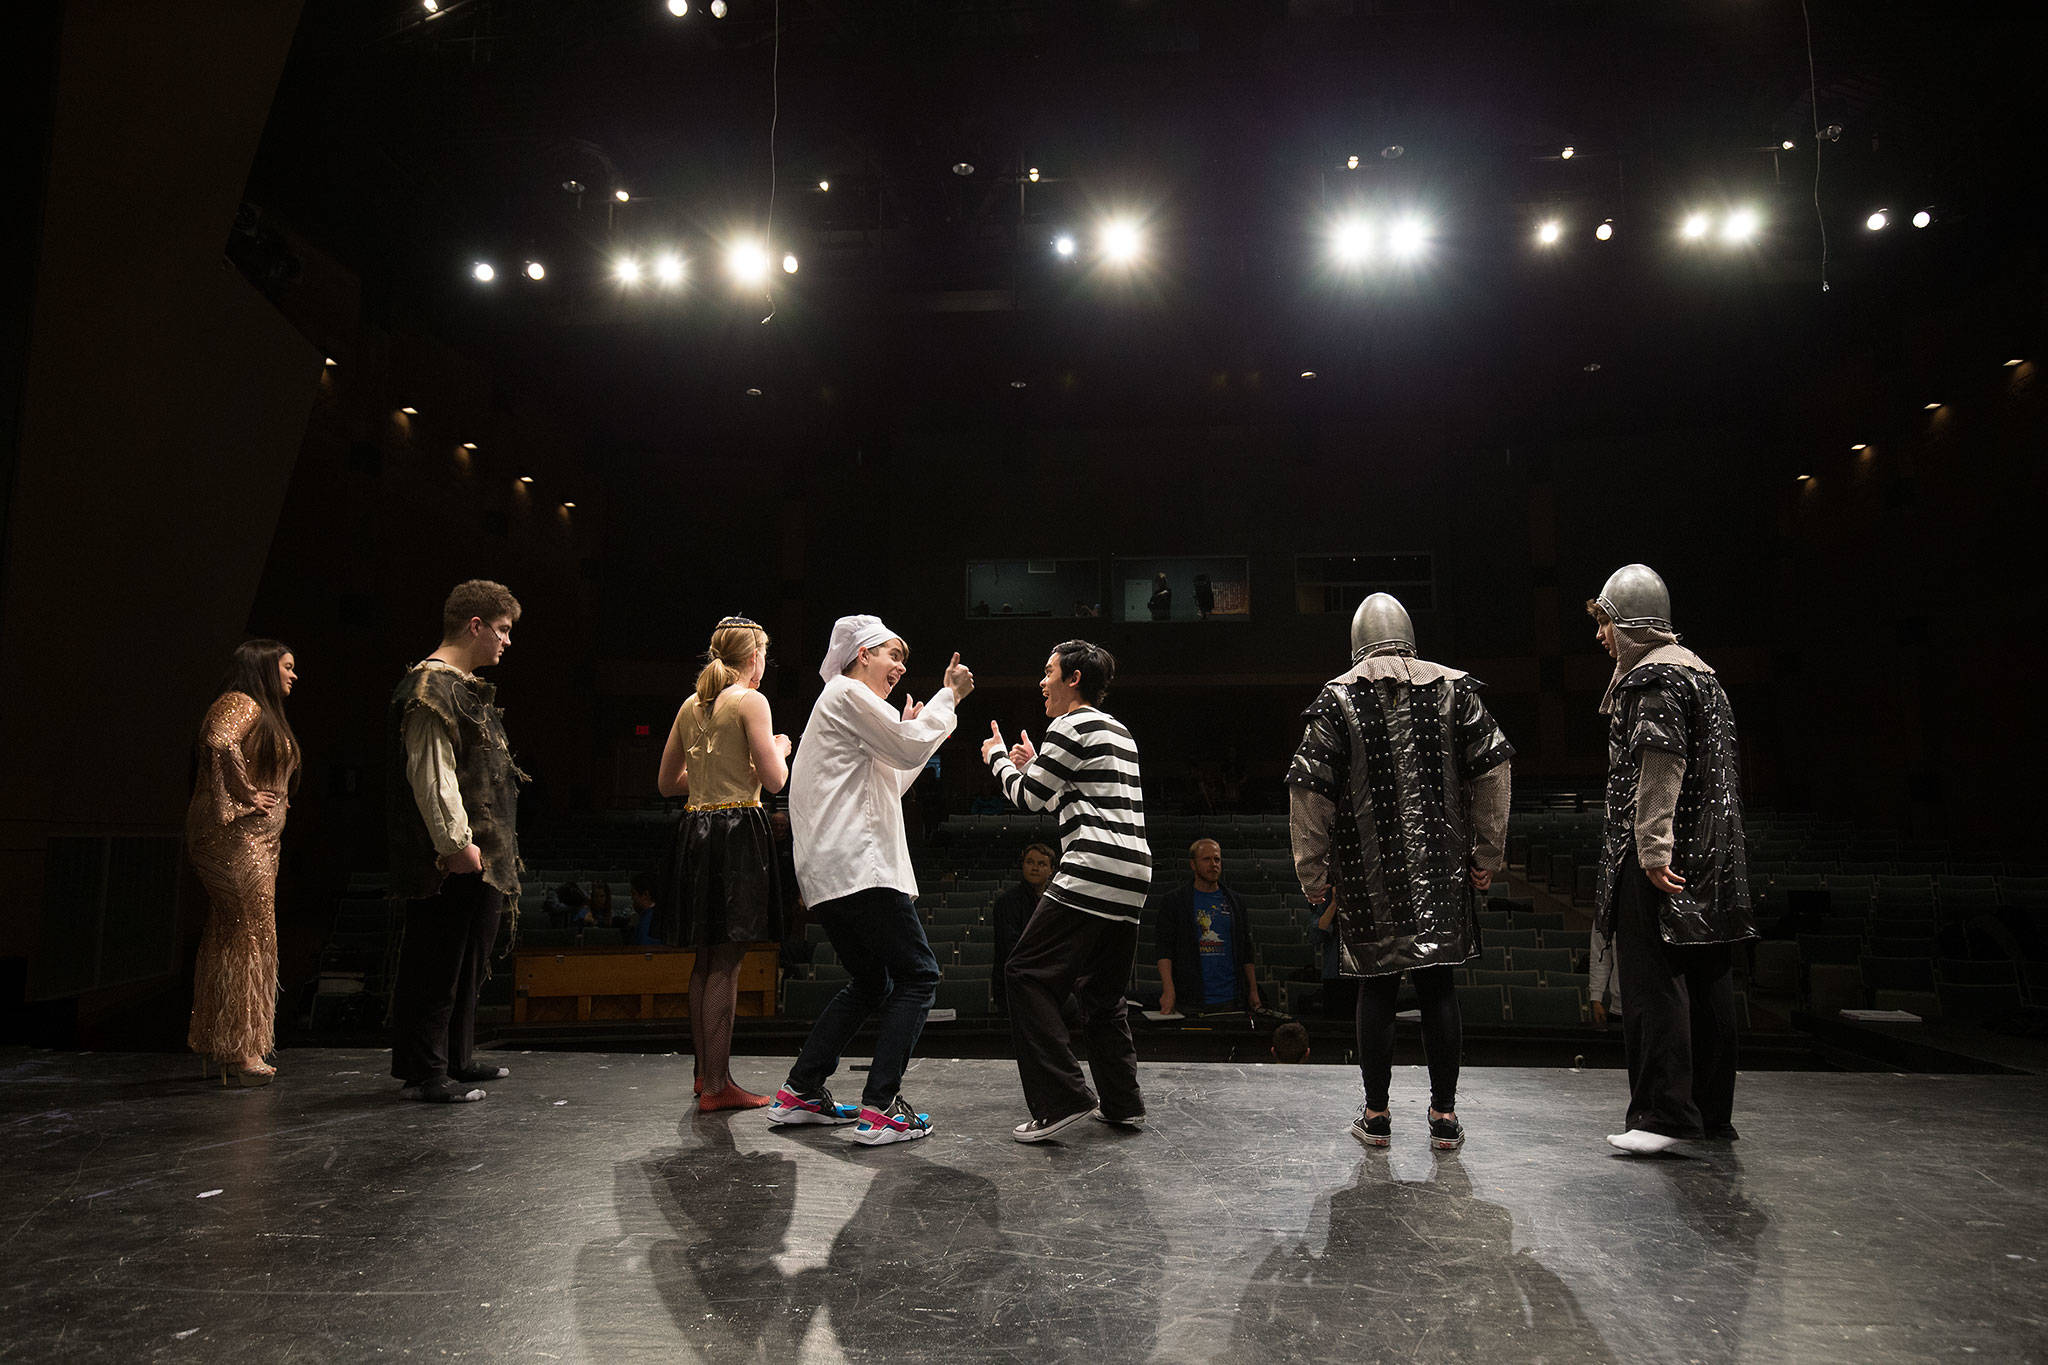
{"type": "Point", "coordinates": [1399, 806]}
{"type": "Point", "coordinates": [1673, 889]}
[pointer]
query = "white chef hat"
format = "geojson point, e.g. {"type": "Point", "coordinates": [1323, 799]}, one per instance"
{"type": "Point", "coordinates": [851, 635]}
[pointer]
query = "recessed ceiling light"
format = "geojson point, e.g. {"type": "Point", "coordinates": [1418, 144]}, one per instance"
{"type": "Point", "coordinates": [1032, 175]}
{"type": "Point", "coordinates": [1931, 407]}
{"type": "Point", "coordinates": [622, 196]}
{"type": "Point", "coordinates": [526, 478]}
{"type": "Point", "coordinates": [824, 186]}
{"type": "Point", "coordinates": [1308, 374]}
{"type": "Point", "coordinates": [1860, 445]}
{"type": "Point", "coordinates": [1020, 383]}
{"type": "Point", "coordinates": [1591, 367]}
{"type": "Point", "coordinates": [1568, 153]}
{"type": "Point", "coordinates": [469, 445]}
{"type": "Point", "coordinates": [328, 361]}
{"type": "Point", "coordinates": [963, 168]}
{"type": "Point", "coordinates": [2008, 364]}
{"type": "Point", "coordinates": [753, 393]}
{"type": "Point", "coordinates": [410, 411]}
{"type": "Point", "coordinates": [1393, 153]}
{"type": "Point", "coordinates": [567, 506]}
{"type": "Point", "coordinates": [1351, 162]}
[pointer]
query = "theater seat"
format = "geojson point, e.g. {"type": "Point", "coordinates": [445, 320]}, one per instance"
{"type": "Point", "coordinates": [1553, 1005]}
{"type": "Point", "coordinates": [1483, 1004]}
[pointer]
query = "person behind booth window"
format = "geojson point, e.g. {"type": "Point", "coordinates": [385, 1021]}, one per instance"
{"type": "Point", "coordinates": [454, 845]}
{"type": "Point", "coordinates": [1673, 889]}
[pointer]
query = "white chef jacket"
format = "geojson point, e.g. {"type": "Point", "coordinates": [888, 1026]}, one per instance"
{"type": "Point", "coordinates": [857, 759]}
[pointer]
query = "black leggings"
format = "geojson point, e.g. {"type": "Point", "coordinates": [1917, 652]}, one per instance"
{"type": "Point", "coordinates": [1443, 1034]}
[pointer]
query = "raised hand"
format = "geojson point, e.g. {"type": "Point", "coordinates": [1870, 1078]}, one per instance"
{"type": "Point", "coordinates": [912, 708]}
{"type": "Point", "coordinates": [1022, 753]}
{"type": "Point", "coordinates": [992, 743]}
{"type": "Point", "coordinates": [960, 678]}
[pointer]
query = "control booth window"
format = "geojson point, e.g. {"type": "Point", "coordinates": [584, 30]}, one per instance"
{"type": "Point", "coordinates": [1043, 589]}
{"type": "Point", "coordinates": [1183, 588]}
{"type": "Point", "coordinates": [1336, 584]}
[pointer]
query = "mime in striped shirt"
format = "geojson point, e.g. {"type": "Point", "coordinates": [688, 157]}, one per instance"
{"type": "Point", "coordinates": [1083, 937]}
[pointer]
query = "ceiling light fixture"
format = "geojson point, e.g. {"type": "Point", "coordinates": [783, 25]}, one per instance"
{"type": "Point", "coordinates": [678, 7]}
{"type": "Point", "coordinates": [622, 196]}
{"type": "Point", "coordinates": [536, 271]}
{"type": "Point", "coordinates": [1860, 445]}
{"type": "Point", "coordinates": [1351, 162]}
{"type": "Point", "coordinates": [410, 411]}
{"type": "Point", "coordinates": [718, 9]}
{"type": "Point", "coordinates": [1308, 374]}
{"type": "Point", "coordinates": [963, 168]}
{"type": "Point", "coordinates": [1352, 241]}
{"type": "Point", "coordinates": [1923, 218]}
{"type": "Point", "coordinates": [1032, 175]}
{"type": "Point", "coordinates": [747, 262]}
{"type": "Point", "coordinates": [1020, 383]}
{"type": "Point", "coordinates": [824, 186]}
{"type": "Point", "coordinates": [627, 270]}
{"type": "Point", "coordinates": [1695, 226]}
{"type": "Point", "coordinates": [484, 271]}
{"type": "Point", "coordinates": [1931, 407]}
{"type": "Point", "coordinates": [526, 478]}
{"type": "Point", "coordinates": [789, 263]}
{"type": "Point", "coordinates": [1393, 153]}
{"type": "Point", "coordinates": [1550, 232]}
{"type": "Point", "coordinates": [1605, 230]}
{"type": "Point", "coordinates": [1064, 246]}
{"type": "Point", "coordinates": [568, 507]}
{"type": "Point", "coordinates": [328, 361]}
{"type": "Point", "coordinates": [1878, 221]}
{"type": "Point", "coordinates": [1121, 241]}
{"type": "Point", "coordinates": [669, 269]}
{"type": "Point", "coordinates": [1786, 145]}
{"type": "Point", "coordinates": [2008, 364]}
{"type": "Point", "coordinates": [1568, 153]}
{"type": "Point", "coordinates": [1740, 227]}
{"type": "Point", "coordinates": [469, 445]}
{"type": "Point", "coordinates": [1409, 237]}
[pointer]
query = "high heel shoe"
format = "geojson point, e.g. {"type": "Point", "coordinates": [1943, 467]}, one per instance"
{"type": "Point", "coordinates": [246, 1077]}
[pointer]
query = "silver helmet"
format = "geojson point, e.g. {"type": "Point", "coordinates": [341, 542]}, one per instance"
{"type": "Point", "coordinates": [1380, 622]}
{"type": "Point", "coordinates": [1634, 596]}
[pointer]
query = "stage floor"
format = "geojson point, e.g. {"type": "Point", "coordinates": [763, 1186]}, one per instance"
{"type": "Point", "coordinates": [585, 1213]}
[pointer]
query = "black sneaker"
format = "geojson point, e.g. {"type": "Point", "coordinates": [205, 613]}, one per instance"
{"type": "Point", "coordinates": [1375, 1130]}
{"type": "Point", "coordinates": [1446, 1135]}
{"type": "Point", "coordinates": [1136, 1120]}
{"type": "Point", "coordinates": [441, 1090]}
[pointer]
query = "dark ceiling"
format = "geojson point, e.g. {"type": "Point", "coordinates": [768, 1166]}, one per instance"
{"type": "Point", "coordinates": [411, 147]}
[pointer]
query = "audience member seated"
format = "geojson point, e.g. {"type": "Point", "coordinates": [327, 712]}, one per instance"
{"type": "Point", "coordinates": [1290, 1043]}
{"type": "Point", "coordinates": [1203, 940]}
{"type": "Point", "coordinates": [1012, 911]}
{"type": "Point", "coordinates": [601, 906]}
{"type": "Point", "coordinates": [639, 926]}
{"type": "Point", "coordinates": [567, 907]}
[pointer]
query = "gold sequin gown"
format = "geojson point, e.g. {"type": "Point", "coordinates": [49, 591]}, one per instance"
{"type": "Point", "coordinates": [233, 845]}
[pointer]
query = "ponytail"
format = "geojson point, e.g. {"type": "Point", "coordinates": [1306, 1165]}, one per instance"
{"type": "Point", "coordinates": [735, 641]}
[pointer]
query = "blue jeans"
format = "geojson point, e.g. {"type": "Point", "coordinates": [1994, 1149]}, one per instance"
{"type": "Point", "coordinates": [881, 943]}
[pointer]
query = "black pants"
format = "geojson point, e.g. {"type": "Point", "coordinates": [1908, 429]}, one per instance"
{"type": "Point", "coordinates": [881, 943]}
{"type": "Point", "coordinates": [1679, 1027]}
{"type": "Point", "coordinates": [441, 967]}
{"type": "Point", "coordinates": [1443, 1034]}
{"type": "Point", "coordinates": [1065, 952]}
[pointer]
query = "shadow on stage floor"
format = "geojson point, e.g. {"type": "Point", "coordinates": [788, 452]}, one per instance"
{"type": "Point", "coordinates": [586, 1213]}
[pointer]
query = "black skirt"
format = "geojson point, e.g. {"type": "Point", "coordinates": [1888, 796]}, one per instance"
{"type": "Point", "coordinates": [722, 882]}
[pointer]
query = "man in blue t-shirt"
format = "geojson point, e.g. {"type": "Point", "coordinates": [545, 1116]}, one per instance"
{"type": "Point", "coordinates": [1203, 941]}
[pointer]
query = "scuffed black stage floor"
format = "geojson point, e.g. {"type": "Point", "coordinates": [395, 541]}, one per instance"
{"type": "Point", "coordinates": [583, 1213]}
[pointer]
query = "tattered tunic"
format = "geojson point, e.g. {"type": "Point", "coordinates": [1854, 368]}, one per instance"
{"type": "Point", "coordinates": [485, 775]}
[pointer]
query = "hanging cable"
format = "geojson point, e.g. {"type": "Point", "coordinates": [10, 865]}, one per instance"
{"type": "Point", "coordinates": [774, 117]}
{"type": "Point", "coordinates": [1813, 102]}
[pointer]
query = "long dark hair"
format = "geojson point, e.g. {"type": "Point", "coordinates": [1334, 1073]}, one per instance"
{"type": "Point", "coordinates": [254, 673]}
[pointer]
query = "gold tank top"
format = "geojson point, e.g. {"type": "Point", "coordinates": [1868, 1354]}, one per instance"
{"type": "Point", "coordinates": [720, 762]}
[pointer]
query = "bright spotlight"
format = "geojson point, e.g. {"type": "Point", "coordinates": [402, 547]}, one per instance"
{"type": "Point", "coordinates": [1408, 237]}
{"type": "Point", "coordinates": [627, 270]}
{"type": "Point", "coordinates": [678, 7]}
{"type": "Point", "coordinates": [2010, 364]}
{"type": "Point", "coordinates": [410, 411]}
{"type": "Point", "coordinates": [1786, 145]}
{"type": "Point", "coordinates": [1351, 162]}
{"type": "Point", "coordinates": [824, 186]}
{"type": "Point", "coordinates": [1740, 227]}
{"type": "Point", "coordinates": [1931, 407]}
{"type": "Point", "coordinates": [484, 271]}
{"type": "Point", "coordinates": [1605, 230]}
{"type": "Point", "coordinates": [1032, 175]}
{"type": "Point", "coordinates": [718, 9]}
{"type": "Point", "coordinates": [1121, 241]}
{"type": "Point", "coordinates": [1879, 221]}
{"type": "Point", "coordinates": [789, 263]}
{"type": "Point", "coordinates": [1922, 218]}
{"type": "Point", "coordinates": [1696, 226]}
{"type": "Point", "coordinates": [1352, 241]}
{"type": "Point", "coordinates": [621, 195]}
{"type": "Point", "coordinates": [1064, 245]}
{"type": "Point", "coordinates": [747, 263]}
{"type": "Point", "coordinates": [1568, 153]}
{"type": "Point", "coordinates": [669, 269]}
{"type": "Point", "coordinates": [431, 6]}
{"type": "Point", "coordinates": [536, 271]}
{"type": "Point", "coordinates": [1550, 232]}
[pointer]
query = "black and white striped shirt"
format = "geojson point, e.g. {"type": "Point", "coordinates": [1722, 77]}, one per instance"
{"type": "Point", "coordinates": [1087, 770]}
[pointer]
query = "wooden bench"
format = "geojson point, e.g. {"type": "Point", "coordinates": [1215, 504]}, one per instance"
{"type": "Point", "coordinates": [588, 985]}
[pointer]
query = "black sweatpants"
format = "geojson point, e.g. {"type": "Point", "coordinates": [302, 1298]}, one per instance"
{"type": "Point", "coordinates": [441, 967]}
{"type": "Point", "coordinates": [1443, 1034]}
{"type": "Point", "coordinates": [1065, 952]}
{"type": "Point", "coordinates": [1679, 1027]}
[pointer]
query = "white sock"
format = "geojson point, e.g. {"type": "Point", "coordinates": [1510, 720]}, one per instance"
{"type": "Point", "coordinates": [1638, 1142]}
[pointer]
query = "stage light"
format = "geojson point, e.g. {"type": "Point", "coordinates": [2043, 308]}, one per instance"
{"type": "Point", "coordinates": [1408, 238]}
{"type": "Point", "coordinates": [469, 445]}
{"type": "Point", "coordinates": [1922, 218]}
{"type": "Point", "coordinates": [1860, 446]}
{"type": "Point", "coordinates": [432, 7]}
{"type": "Point", "coordinates": [622, 196]}
{"type": "Point", "coordinates": [1878, 222]}
{"type": "Point", "coordinates": [1121, 241]}
{"type": "Point", "coordinates": [963, 168]}
{"type": "Point", "coordinates": [627, 270]}
{"type": "Point", "coordinates": [824, 186]}
{"type": "Point", "coordinates": [1932, 407]}
{"type": "Point", "coordinates": [1550, 232]}
{"type": "Point", "coordinates": [678, 7]}
{"type": "Point", "coordinates": [1786, 145]}
{"type": "Point", "coordinates": [2015, 361]}
{"type": "Point", "coordinates": [328, 361]}
{"type": "Point", "coordinates": [669, 269]}
{"type": "Point", "coordinates": [753, 393]}
{"type": "Point", "coordinates": [410, 411]}
{"type": "Point", "coordinates": [1064, 245]}
{"type": "Point", "coordinates": [1605, 230]}
{"type": "Point", "coordinates": [1568, 153]}
{"type": "Point", "coordinates": [1308, 374]}
{"type": "Point", "coordinates": [1804, 478]}
{"type": "Point", "coordinates": [1740, 227]}
{"type": "Point", "coordinates": [1351, 243]}
{"type": "Point", "coordinates": [1393, 153]}
{"type": "Point", "coordinates": [526, 478]}
{"type": "Point", "coordinates": [1032, 175]}
{"type": "Point", "coordinates": [568, 507]}
{"type": "Point", "coordinates": [747, 263]}
{"type": "Point", "coordinates": [484, 272]}
{"type": "Point", "coordinates": [1020, 383]}
{"type": "Point", "coordinates": [718, 9]}
{"type": "Point", "coordinates": [536, 271]}
{"type": "Point", "coordinates": [1696, 226]}
{"type": "Point", "coordinates": [789, 263]}
{"type": "Point", "coordinates": [1351, 162]}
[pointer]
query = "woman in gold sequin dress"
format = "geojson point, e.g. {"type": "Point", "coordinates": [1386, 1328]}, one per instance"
{"type": "Point", "coordinates": [248, 766]}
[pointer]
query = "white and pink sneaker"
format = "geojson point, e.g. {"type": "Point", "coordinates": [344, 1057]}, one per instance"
{"type": "Point", "coordinates": [897, 1123]}
{"type": "Point", "coordinates": [790, 1107]}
